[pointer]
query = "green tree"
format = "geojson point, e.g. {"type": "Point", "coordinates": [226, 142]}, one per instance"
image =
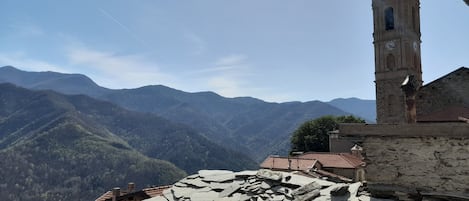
{"type": "Point", "coordinates": [313, 135]}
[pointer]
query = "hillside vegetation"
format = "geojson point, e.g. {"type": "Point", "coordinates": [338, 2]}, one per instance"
{"type": "Point", "coordinates": [56, 147]}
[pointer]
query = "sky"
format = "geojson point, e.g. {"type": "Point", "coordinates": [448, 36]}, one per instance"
{"type": "Point", "coordinates": [275, 50]}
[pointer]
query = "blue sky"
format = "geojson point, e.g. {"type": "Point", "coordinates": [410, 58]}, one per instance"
{"type": "Point", "coordinates": [274, 50]}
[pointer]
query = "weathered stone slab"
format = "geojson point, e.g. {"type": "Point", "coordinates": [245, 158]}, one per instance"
{"type": "Point", "coordinates": [353, 189]}
{"type": "Point", "coordinates": [308, 196]}
{"type": "Point", "coordinates": [306, 189]}
{"type": "Point", "coordinates": [194, 182]}
{"type": "Point", "coordinates": [219, 177]}
{"type": "Point", "coordinates": [246, 173]}
{"type": "Point", "coordinates": [205, 173]}
{"type": "Point", "coordinates": [204, 196]}
{"type": "Point", "coordinates": [158, 198]}
{"type": "Point", "coordinates": [168, 194]}
{"type": "Point", "coordinates": [230, 190]}
{"type": "Point", "coordinates": [267, 174]}
{"type": "Point", "coordinates": [179, 192]}
{"type": "Point", "coordinates": [219, 186]}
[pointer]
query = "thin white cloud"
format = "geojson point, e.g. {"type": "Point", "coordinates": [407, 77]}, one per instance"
{"type": "Point", "coordinates": [228, 76]}
{"type": "Point", "coordinates": [24, 62]}
{"type": "Point", "coordinates": [231, 60]}
{"type": "Point", "coordinates": [117, 71]}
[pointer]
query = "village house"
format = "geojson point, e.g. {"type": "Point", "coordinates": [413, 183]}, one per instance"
{"type": "Point", "coordinates": [346, 167]}
{"type": "Point", "coordinates": [130, 194]}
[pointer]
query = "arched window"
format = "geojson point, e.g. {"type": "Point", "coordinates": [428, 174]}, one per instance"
{"type": "Point", "coordinates": [389, 18]}
{"type": "Point", "coordinates": [390, 62]}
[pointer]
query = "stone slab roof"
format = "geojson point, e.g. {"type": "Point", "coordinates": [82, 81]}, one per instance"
{"type": "Point", "coordinates": [259, 185]}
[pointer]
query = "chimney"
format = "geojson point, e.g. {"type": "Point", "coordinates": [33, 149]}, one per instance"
{"type": "Point", "coordinates": [130, 187]}
{"type": "Point", "coordinates": [410, 90]}
{"type": "Point", "coordinates": [116, 192]}
{"type": "Point", "coordinates": [357, 151]}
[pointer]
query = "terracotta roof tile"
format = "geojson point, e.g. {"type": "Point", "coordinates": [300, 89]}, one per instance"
{"type": "Point", "coordinates": [335, 160]}
{"type": "Point", "coordinates": [282, 163]}
{"type": "Point", "coordinates": [155, 191]}
{"type": "Point", "coordinates": [151, 192]}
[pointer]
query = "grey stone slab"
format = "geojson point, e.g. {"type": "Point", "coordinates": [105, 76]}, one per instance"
{"type": "Point", "coordinates": [157, 198]}
{"type": "Point", "coordinates": [220, 186]}
{"type": "Point", "coordinates": [230, 190]}
{"type": "Point", "coordinates": [194, 176]}
{"type": "Point", "coordinates": [306, 189]}
{"type": "Point", "coordinates": [219, 177]}
{"type": "Point", "coordinates": [194, 182]}
{"type": "Point", "coordinates": [308, 196]}
{"type": "Point", "coordinates": [353, 189]}
{"type": "Point", "coordinates": [204, 173]}
{"type": "Point", "coordinates": [246, 173]}
{"type": "Point", "coordinates": [323, 198]}
{"type": "Point", "coordinates": [179, 184]}
{"type": "Point", "coordinates": [204, 196]}
{"type": "Point", "coordinates": [179, 192]}
{"type": "Point", "coordinates": [268, 174]}
{"type": "Point", "coordinates": [278, 198]}
{"type": "Point", "coordinates": [266, 185]}
{"type": "Point", "coordinates": [168, 194]}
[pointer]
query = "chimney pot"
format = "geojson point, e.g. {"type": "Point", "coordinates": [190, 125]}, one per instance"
{"type": "Point", "coordinates": [131, 187]}
{"type": "Point", "coordinates": [116, 192]}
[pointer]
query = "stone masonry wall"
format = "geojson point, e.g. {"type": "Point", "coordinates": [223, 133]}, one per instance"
{"type": "Point", "coordinates": [435, 164]}
{"type": "Point", "coordinates": [449, 90]}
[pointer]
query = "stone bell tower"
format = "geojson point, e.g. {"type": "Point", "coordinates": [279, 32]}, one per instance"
{"type": "Point", "coordinates": [397, 55]}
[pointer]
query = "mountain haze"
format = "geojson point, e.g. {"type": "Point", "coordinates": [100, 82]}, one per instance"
{"type": "Point", "coordinates": [245, 124]}
{"type": "Point", "coordinates": [60, 146]}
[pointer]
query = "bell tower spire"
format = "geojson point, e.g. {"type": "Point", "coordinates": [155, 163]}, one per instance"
{"type": "Point", "coordinates": [397, 55]}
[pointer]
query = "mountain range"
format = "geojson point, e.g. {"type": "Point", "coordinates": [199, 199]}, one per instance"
{"type": "Point", "coordinates": [62, 136]}
{"type": "Point", "coordinates": [252, 126]}
{"type": "Point", "coordinates": [73, 146]}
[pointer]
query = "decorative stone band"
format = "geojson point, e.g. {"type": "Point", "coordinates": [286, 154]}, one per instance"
{"type": "Point", "coordinates": [406, 130]}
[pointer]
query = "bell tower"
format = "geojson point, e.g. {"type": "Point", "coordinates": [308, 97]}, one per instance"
{"type": "Point", "coordinates": [397, 55]}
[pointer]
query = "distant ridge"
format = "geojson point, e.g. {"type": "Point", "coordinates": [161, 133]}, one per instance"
{"type": "Point", "coordinates": [244, 124]}
{"type": "Point", "coordinates": [363, 108]}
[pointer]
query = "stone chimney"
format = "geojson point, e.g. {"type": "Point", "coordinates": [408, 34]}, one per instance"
{"type": "Point", "coordinates": [116, 192]}
{"type": "Point", "coordinates": [357, 151]}
{"type": "Point", "coordinates": [130, 187]}
{"type": "Point", "coordinates": [409, 88]}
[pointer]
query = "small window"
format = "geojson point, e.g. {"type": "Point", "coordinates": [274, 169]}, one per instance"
{"type": "Point", "coordinates": [389, 18]}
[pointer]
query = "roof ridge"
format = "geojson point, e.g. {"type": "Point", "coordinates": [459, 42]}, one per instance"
{"type": "Point", "coordinates": [346, 158]}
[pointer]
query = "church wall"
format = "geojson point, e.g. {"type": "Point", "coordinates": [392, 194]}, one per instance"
{"type": "Point", "coordinates": [429, 157]}
{"type": "Point", "coordinates": [438, 164]}
{"type": "Point", "coordinates": [449, 90]}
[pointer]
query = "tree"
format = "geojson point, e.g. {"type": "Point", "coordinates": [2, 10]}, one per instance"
{"type": "Point", "coordinates": [313, 135]}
